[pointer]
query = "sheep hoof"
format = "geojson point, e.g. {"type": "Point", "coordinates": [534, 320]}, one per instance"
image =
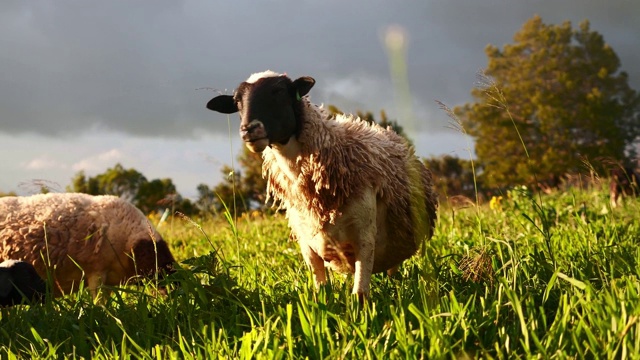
{"type": "Point", "coordinates": [362, 297]}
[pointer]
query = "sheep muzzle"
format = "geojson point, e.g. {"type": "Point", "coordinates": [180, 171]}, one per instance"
{"type": "Point", "coordinates": [254, 135]}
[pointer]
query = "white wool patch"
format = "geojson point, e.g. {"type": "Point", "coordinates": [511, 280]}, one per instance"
{"type": "Point", "coordinates": [8, 263]}
{"type": "Point", "coordinates": [265, 74]}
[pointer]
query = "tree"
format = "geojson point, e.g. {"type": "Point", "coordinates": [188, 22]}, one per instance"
{"type": "Point", "coordinates": [121, 182]}
{"type": "Point", "coordinates": [205, 202]}
{"type": "Point", "coordinates": [130, 184]}
{"type": "Point", "coordinates": [453, 176]}
{"type": "Point", "coordinates": [245, 189]}
{"type": "Point", "coordinates": [231, 192]}
{"type": "Point", "coordinates": [83, 184]}
{"type": "Point", "coordinates": [156, 194]}
{"type": "Point", "coordinates": [553, 99]}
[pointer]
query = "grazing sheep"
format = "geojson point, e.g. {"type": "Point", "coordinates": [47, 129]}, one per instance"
{"type": "Point", "coordinates": [624, 182]}
{"type": "Point", "coordinates": [357, 198]}
{"type": "Point", "coordinates": [20, 283]}
{"type": "Point", "coordinates": [79, 236]}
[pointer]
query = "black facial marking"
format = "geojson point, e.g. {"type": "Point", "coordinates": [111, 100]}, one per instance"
{"type": "Point", "coordinates": [272, 101]}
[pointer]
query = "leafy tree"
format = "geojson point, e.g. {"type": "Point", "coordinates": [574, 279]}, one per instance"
{"type": "Point", "coordinates": [553, 99]}
{"type": "Point", "coordinates": [81, 183]}
{"type": "Point", "coordinates": [130, 184]}
{"type": "Point", "coordinates": [121, 182]}
{"type": "Point", "coordinates": [453, 176]}
{"type": "Point", "coordinates": [155, 194]}
{"type": "Point", "coordinates": [230, 192]}
{"type": "Point", "coordinates": [252, 182]}
{"type": "Point", "coordinates": [206, 198]}
{"type": "Point", "coordinates": [244, 189]}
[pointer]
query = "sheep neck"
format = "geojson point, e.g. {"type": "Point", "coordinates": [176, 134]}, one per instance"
{"type": "Point", "coordinates": [287, 157]}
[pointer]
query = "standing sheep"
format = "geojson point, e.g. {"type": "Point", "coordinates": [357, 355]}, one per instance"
{"type": "Point", "coordinates": [103, 239]}
{"type": "Point", "coordinates": [19, 282]}
{"type": "Point", "coordinates": [357, 197]}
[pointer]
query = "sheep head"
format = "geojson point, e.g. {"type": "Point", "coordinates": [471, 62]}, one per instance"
{"type": "Point", "coordinates": [269, 104]}
{"type": "Point", "coordinates": [19, 282]}
{"type": "Point", "coordinates": [153, 257]}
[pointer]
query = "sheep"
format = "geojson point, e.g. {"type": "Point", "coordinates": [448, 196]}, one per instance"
{"type": "Point", "coordinates": [104, 240]}
{"type": "Point", "coordinates": [624, 182]}
{"type": "Point", "coordinates": [20, 283]}
{"type": "Point", "coordinates": [357, 198]}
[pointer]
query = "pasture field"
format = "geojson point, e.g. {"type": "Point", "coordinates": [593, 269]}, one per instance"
{"type": "Point", "coordinates": [552, 276]}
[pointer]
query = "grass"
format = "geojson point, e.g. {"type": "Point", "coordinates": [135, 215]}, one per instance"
{"type": "Point", "coordinates": [521, 280]}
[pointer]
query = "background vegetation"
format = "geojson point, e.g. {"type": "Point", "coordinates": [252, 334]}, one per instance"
{"type": "Point", "coordinates": [554, 276]}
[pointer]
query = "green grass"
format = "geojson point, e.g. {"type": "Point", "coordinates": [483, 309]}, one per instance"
{"type": "Point", "coordinates": [555, 277]}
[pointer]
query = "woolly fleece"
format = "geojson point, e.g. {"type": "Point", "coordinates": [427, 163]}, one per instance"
{"type": "Point", "coordinates": [80, 237]}
{"type": "Point", "coordinates": [339, 158]}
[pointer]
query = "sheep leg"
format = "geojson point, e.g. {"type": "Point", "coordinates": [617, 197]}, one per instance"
{"type": "Point", "coordinates": [364, 230]}
{"type": "Point", "coordinates": [316, 263]}
{"type": "Point", "coordinates": [94, 283]}
{"type": "Point", "coordinates": [364, 269]}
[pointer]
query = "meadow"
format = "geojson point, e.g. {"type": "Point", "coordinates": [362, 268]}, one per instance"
{"type": "Point", "coordinates": [526, 276]}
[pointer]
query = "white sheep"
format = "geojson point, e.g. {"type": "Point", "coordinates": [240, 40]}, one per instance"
{"type": "Point", "coordinates": [357, 198]}
{"type": "Point", "coordinates": [20, 283]}
{"type": "Point", "coordinates": [102, 239]}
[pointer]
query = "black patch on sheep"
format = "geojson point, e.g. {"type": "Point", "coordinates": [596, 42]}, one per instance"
{"type": "Point", "coordinates": [149, 254]}
{"type": "Point", "coordinates": [273, 101]}
{"type": "Point", "coordinates": [20, 284]}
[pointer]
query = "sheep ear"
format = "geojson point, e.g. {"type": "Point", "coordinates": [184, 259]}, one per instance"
{"type": "Point", "coordinates": [303, 85]}
{"type": "Point", "coordinates": [223, 104]}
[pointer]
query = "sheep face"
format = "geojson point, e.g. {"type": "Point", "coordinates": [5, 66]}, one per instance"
{"type": "Point", "coordinates": [148, 253]}
{"type": "Point", "coordinates": [19, 282]}
{"type": "Point", "coordinates": [268, 104]}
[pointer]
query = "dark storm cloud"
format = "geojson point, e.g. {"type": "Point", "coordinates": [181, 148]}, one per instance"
{"type": "Point", "coordinates": [138, 66]}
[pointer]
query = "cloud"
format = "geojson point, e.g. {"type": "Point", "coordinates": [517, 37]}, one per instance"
{"type": "Point", "coordinates": [355, 92]}
{"type": "Point", "coordinates": [43, 162]}
{"type": "Point", "coordinates": [98, 162]}
{"type": "Point", "coordinates": [135, 67]}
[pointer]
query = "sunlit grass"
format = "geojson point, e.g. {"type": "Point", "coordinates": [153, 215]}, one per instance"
{"type": "Point", "coordinates": [254, 298]}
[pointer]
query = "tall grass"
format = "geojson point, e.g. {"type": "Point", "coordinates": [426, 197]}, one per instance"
{"type": "Point", "coordinates": [260, 302]}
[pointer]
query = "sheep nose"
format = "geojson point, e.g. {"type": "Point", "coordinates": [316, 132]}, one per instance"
{"type": "Point", "coordinates": [250, 126]}
{"type": "Point", "coordinates": [252, 129]}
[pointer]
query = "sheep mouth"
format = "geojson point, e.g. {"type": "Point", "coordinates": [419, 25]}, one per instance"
{"type": "Point", "coordinates": [252, 141]}
{"type": "Point", "coordinates": [257, 145]}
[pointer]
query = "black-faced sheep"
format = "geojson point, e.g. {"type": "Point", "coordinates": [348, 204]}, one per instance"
{"type": "Point", "coordinates": [20, 283]}
{"type": "Point", "coordinates": [357, 198]}
{"type": "Point", "coordinates": [624, 182]}
{"type": "Point", "coordinates": [102, 239]}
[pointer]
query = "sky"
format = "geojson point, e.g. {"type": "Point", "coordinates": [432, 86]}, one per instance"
{"type": "Point", "coordinates": [87, 84]}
